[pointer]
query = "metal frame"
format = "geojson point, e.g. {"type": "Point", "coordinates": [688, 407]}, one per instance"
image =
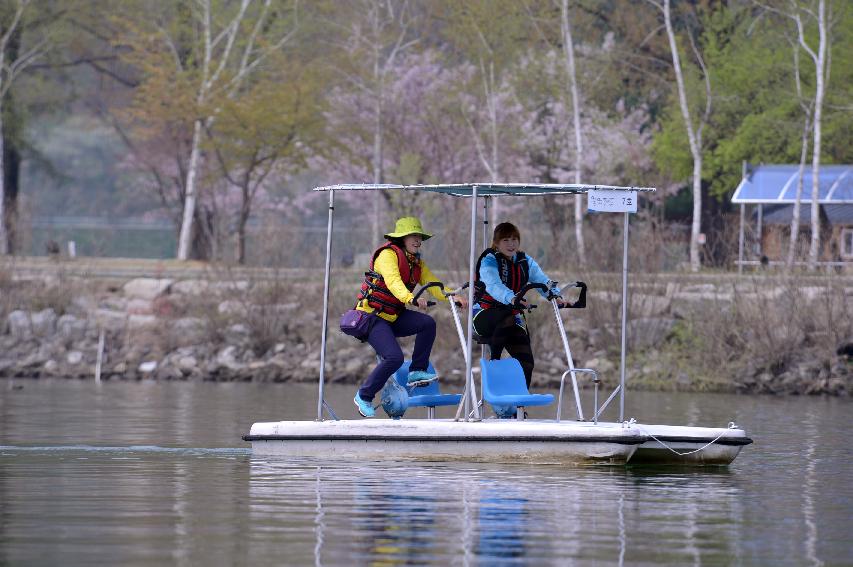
{"type": "Point", "coordinates": [474, 191]}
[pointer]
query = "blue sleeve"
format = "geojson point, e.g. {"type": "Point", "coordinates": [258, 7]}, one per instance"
{"type": "Point", "coordinates": [536, 275]}
{"type": "Point", "coordinates": [494, 286]}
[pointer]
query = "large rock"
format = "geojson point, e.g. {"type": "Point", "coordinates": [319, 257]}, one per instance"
{"type": "Point", "coordinates": [139, 322]}
{"type": "Point", "coordinates": [74, 357]}
{"type": "Point", "coordinates": [71, 328]}
{"type": "Point", "coordinates": [187, 363]}
{"type": "Point", "coordinates": [19, 324]}
{"type": "Point", "coordinates": [43, 322]}
{"type": "Point", "coordinates": [190, 287]}
{"type": "Point", "coordinates": [146, 288]}
{"type": "Point", "coordinates": [227, 358]}
{"type": "Point", "coordinates": [231, 286]}
{"type": "Point", "coordinates": [237, 333]}
{"type": "Point", "coordinates": [110, 320]}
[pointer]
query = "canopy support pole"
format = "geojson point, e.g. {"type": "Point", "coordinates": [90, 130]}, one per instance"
{"type": "Point", "coordinates": [326, 279]}
{"type": "Point", "coordinates": [487, 201]}
{"type": "Point", "coordinates": [760, 229]}
{"type": "Point", "coordinates": [471, 398]}
{"type": "Point", "coordinates": [624, 318]}
{"type": "Point", "coordinates": [740, 239]}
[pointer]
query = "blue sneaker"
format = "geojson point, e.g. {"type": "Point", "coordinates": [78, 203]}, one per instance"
{"type": "Point", "coordinates": [365, 408]}
{"type": "Point", "coordinates": [420, 378]}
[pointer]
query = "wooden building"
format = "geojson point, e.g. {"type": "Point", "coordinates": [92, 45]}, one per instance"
{"type": "Point", "coordinates": [768, 193]}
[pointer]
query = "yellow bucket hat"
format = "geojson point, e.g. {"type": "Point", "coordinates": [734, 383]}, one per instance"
{"type": "Point", "coordinates": [406, 226]}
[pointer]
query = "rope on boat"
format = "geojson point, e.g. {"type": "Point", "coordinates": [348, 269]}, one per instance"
{"type": "Point", "coordinates": [633, 422]}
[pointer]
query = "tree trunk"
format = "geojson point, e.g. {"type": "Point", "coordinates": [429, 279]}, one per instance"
{"type": "Point", "coordinates": [202, 245]}
{"type": "Point", "coordinates": [9, 50]}
{"type": "Point", "coordinates": [184, 240]}
{"type": "Point", "coordinates": [241, 239]}
{"type": "Point", "coordinates": [569, 50]}
{"type": "Point", "coordinates": [378, 170]}
{"type": "Point", "coordinates": [242, 220]}
{"type": "Point", "coordinates": [11, 186]}
{"type": "Point", "coordinates": [795, 216]}
{"type": "Point", "coordinates": [693, 136]}
{"type": "Point", "coordinates": [820, 87]}
{"type": "Point", "coordinates": [3, 229]}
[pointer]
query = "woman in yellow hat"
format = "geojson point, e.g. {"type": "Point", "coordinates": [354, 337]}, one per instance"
{"type": "Point", "coordinates": [395, 269]}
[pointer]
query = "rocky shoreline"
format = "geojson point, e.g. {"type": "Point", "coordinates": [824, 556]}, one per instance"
{"type": "Point", "coordinates": [201, 330]}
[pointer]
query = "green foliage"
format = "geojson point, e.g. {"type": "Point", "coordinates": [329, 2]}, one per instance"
{"type": "Point", "coordinates": [756, 115]}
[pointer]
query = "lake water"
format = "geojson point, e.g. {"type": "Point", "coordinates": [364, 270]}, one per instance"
{"type": "Point", "coordinates": [155, 473]}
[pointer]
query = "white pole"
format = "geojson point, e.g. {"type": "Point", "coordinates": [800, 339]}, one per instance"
{"type": "Point", "coordinates": [469, 381]}
{"type": "Point", "coordinates": [760, 229]}
{"type": "Point", "coordinates": [100, 357]}
{"type": "Point", "coordinates": [562, 328]}
{"type": "Point", "coordinates": [740, 240]}
{"type": "Point", "coordinates": [486, 202]}
{"type": "Point", "coordinates": [624, 318]}
{"type": "Point", "coordinates": [326, 304]}
{"type": "Point", "coordinates": [486, 243]}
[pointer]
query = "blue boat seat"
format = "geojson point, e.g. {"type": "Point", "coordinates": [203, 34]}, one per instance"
{"type": "Point", "coordinates": [504, 386]}
{"type": "Point", "coordinates": [427, 396]}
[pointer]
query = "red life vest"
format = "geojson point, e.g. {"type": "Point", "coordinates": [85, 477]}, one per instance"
{"type": "Point", "coordinates": [373, 288]}
{"type": "Point", "coordinates": [513, 274]}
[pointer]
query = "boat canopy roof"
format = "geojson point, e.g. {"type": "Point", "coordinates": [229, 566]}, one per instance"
{"type": "Point", "coordinates": [486, 189]}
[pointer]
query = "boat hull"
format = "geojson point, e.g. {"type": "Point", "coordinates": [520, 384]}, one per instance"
{"type": "Point", "coordinates": [502, 441]}
{"type": "Point", "coordinates": [509, 441]}
{"type": "Point", "coordinates": [679, 445]}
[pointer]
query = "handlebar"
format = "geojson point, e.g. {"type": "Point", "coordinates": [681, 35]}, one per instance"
{"type": "Point", "coordinates": [519, 297]}
{"type": "Point", "coordinates": [581, 302]}
{"type": "Point", "coordinates": [423, 289]}
{"type": "Point", "coordinates": [456, 291]}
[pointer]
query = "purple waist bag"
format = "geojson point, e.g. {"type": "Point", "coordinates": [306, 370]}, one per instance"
{"type": "Point", "coordinates": [356, 323]}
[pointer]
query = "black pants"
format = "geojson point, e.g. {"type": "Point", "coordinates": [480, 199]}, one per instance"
{"type": "Point", "coordinates": [499, 327]}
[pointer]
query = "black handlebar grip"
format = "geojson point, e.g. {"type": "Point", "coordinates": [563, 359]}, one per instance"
{"type": "Point", "coordinates": [424, 288]}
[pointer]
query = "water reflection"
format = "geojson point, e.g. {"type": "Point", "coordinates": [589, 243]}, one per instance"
{"type": "Point", "coordinates": [392, 514]}
{"type": "Point", "coordinates": [809, 489]}
{"type": "Point", "coordinates": [502, 521]}
{"type": "Point", "coordinates": [393, 523]}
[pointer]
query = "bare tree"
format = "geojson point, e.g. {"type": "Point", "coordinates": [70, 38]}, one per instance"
{"type": "Point", "coordinates": [222, 68]}
{"type": "Point", "coordinates": [797, 10]}
{"type": "Point", "coordinates": [694, 132]}
{"type": "Point", "coordinates": [377, 35]}
{"type": "Point", "coordinates": [569, 53]}
{"type": "Point", "coordinates": [12, 63]}
{"type": "Point", "coordinates": [821, 78]}
{"type": "Point", "coordinates": [804, 152]}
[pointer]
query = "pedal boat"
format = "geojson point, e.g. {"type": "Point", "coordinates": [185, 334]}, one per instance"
{"type": "Point", "coordinates": [472, 438]}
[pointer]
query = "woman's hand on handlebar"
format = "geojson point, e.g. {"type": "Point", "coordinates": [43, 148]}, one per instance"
{"type": "Point", "coordinates": [561, 302]}
{"type": "Point", "coordinates": [461, 300]}
{"type": "Point", "coordinates": [421, 303]}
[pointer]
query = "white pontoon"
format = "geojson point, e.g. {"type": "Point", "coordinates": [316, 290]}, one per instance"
{"type": "Point", "coordinates": [471, 436]}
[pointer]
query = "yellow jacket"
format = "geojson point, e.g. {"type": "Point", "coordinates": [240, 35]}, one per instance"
{"type": "Point", "coordinates": [386, 265]}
